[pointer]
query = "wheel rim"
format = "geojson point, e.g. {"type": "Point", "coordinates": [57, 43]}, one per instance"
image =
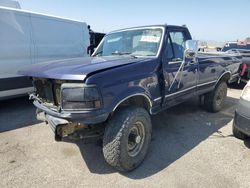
{"type": "Point", "coordinates": [220, 97]}
{"type": "Point", "coordinates": [136, 139]}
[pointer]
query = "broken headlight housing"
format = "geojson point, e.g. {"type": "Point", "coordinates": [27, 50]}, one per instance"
{"type": "Point", "coordinates": [80, 97]}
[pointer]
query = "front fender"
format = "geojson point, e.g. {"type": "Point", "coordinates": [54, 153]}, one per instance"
{"type": "Point", "coordinates": [126, 94]}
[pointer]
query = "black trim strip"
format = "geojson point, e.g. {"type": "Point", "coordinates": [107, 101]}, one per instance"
{"type": "Point", "coordinates": [15, 83]}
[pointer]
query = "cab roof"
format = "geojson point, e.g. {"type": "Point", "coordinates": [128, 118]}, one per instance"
{"type": "Point", "coordinates": [145, 26]}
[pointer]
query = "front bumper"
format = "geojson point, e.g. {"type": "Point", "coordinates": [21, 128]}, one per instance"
{"type": "Point", "coordinates": [242, 117]}
{"type": "Point", "coordinates": [55, 118]}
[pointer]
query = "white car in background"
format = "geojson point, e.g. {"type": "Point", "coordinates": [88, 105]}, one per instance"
{"type": "Point", "coordinates": [241, 125]}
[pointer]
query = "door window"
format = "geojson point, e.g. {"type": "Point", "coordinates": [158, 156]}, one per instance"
{"type": "Point", "coordinates": [177, 45]}
{"type": "Point", "coordinates": [170, 53]}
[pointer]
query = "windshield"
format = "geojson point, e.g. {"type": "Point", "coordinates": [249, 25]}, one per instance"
{"type": "Point", "coordinates": [137, 42]}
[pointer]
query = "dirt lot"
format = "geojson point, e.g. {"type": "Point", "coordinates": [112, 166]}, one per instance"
{"type": "Point", "coordinates": [190, 148]}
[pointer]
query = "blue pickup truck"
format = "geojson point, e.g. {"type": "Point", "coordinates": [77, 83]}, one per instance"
{"type": "Point", "coordinates": [132, 74]}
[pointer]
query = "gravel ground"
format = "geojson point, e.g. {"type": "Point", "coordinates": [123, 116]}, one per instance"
{"type": "Point", "coordinates": [190, 148]}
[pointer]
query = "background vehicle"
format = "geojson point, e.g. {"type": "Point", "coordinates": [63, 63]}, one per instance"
{"type": "Point", "coordinates": [243, 49]}
{"type": "Point", "coordinates": [28, 38]}
{"type": "Point", "coordinates": [95, 39]}
{"type": "Point", "coordinates": [10, 4]}
{"type": "Point", "coordinates": [133, 73]}
{"type": "Point", "coordinates": [241, 125]}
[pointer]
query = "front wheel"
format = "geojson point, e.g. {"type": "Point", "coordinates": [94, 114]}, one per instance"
{"type": "Point", "coordinates": [215, 99]}
{"type": "Point", "coordinates": [127, 138]}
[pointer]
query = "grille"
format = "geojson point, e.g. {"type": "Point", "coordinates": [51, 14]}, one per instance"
{"type": "Point", "coordinates": [48, 90]}
{"type": "Point", "coordinates": [57, 93]}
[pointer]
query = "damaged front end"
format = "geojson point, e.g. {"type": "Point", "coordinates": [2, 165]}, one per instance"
{"type": "Point", "coordinates": [72, 110]}
{"type": "Point", "coordinates": [72, 130]}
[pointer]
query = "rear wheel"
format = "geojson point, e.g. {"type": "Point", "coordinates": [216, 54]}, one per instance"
{"type": "Point", "coordinates": [127, 138]}
{"type": "Point", "coordinates": [215, 99]}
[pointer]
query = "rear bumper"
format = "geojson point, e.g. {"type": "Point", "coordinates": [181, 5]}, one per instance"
{"type": "Point", "coordinates": [65, 117]}
{"type": "Point", "coordinates": [242, 117]}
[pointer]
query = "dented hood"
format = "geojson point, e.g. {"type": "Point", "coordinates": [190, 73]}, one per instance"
{"type": "Point", "coordinates": [76, 68]}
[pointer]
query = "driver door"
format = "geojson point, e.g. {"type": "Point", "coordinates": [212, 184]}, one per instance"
{"type": "Point", "coordinates": [180, 77]}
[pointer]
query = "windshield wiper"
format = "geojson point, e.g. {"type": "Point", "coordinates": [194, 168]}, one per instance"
{"type": "Point", "coordinates": [124, 53]}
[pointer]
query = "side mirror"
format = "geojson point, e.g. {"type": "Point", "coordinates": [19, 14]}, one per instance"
{"type": "Point", "coordinates": [191, 48]}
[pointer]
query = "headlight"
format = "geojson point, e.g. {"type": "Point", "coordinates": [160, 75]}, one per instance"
{"type": "Point", "coordinates": [246, 93]}
{"type": "Point", "coordinates": [80, 97]}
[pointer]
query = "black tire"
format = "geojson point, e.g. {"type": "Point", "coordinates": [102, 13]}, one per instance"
{"type": "Point", "coordinates": [118, 138]}
{"type": "Point", "coordinates": [238, 134]}
{"type": "Point", "coordinates": [215, 99]}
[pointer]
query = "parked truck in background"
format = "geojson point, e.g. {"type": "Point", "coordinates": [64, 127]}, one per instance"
{"type": "Point", "coordinates": [28, 38]}
{"type": "Point", "coordinates": [132, 74]}
{"type": "Point", "coordinates": [95, 39]}
{"type": "Point", "coordinates": [243, 49]}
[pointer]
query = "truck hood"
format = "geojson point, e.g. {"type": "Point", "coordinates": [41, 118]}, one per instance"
{"type": "Point", "coordinates": [76, 68]}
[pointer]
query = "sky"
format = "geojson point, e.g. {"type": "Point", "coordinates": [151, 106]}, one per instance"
{"type": "Point", "coordinates": [215, 20]}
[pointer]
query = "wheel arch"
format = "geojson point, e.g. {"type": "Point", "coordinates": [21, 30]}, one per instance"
{"type": "Point", "coordinates": [225, 76]}
{"type": "Point", "coordinates": [138, 99]}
